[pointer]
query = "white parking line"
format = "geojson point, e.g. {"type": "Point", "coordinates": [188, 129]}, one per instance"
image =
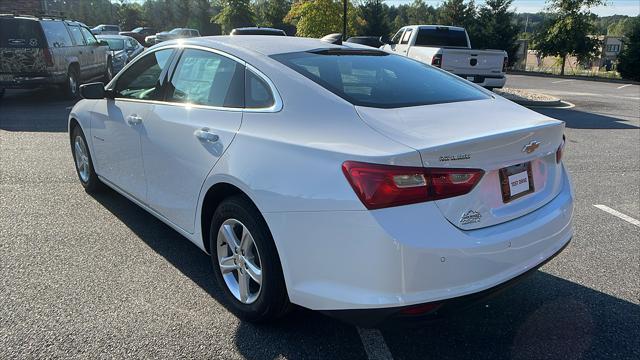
{"type": "Point", "coordinates": [622, 216]}
{"type": "Point", "coordinates": [623, 86]}
{"type": "Point", "coordinates": [561, 81]}
{"type": "Point", "coordinates": [374, 344]}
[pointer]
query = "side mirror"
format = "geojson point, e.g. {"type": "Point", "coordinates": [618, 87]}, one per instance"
{"type": "Point", "coordinates": [385, 40]}
{"type": "Point", "coordinates": [92, 91]}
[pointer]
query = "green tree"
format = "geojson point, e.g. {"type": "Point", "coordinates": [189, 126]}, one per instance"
{"type": "Point", "coordinates": [629, 58]}
{"type": "Point", "coordinates": [457, 13]}
{"type": "Point", "coordinates": [566, 33]}
{"type": "Point", "coordinates": [499, 28]}
{"type": "Point", "coordinates": [317, 18]}
{"type": "Point", "coordinates": [419, 13]}
{"type": "Point", "coordinates": [377, 22]}
{"type": "Point", "coordinates": [129, 16]}
{"type": "Point", "coordinates": [271, 13]}
{"type": "Point", "coordinates": [235, 13]}
{"type": "Point", "coordinates": [621, 27]}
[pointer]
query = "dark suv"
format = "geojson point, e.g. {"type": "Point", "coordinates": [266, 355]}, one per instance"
{"type": "Point", "coordinates": [38, 52]}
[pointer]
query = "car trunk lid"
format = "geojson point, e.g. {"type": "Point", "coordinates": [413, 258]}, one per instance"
{"type": "Point", "coordinates": [474, 62]}
{"type": "Point", "coordinates": [22, 48]}
{"type": "Point", "coordinates": [485, 134]}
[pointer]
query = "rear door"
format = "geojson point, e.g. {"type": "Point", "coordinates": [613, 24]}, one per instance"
{"type": "Point", "coordinates": [96, 54]}
{"type": "Point", "coordinates": [184, 137]}
{"type": "Point", "coordinates": [85, 58]}
{"type": "Point", "coordinates": [22, 46]}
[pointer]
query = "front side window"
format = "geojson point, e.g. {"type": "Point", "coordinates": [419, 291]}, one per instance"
{"type": "Point", "coordinates": [258, 95]}
{"type": "Point", "coordinates": [375, 78]}
{"type": "Point", "coordinates": [91, 40]}
{"type": "Point", "coordinates": [76, 34]}
{"type": "Point", "coordinates": [142, 79]}
{"type": "Point", "coordinates": [396, 38]}
{"type": "Point", "coordinates": [56, 34]}
{"type": "Point", "coordinates": [205, 78]}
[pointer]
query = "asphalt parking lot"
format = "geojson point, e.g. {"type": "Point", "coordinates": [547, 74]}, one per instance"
{"type": "Point", "coordinates": [86, 276]}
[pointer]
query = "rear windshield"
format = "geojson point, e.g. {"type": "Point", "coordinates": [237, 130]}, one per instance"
{"type": "Point", "coordinates": [114, 44]}
{"type": "Point", "coordinates": [110, 28]}
{"type": "Point", "coordinates": [20, 33]}
{"type": "Point", "coordinates": [378, 79]}
{"type": "Point", "coordinates": [441, 37]}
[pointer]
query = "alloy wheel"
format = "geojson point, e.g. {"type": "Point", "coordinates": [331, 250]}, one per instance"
{"type": "Point", "coordinates": [239, 261]}
{"type": "Point", "coordinates": [82, 158]}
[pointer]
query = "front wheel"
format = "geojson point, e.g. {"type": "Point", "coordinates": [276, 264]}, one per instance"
{"type": "Point", "coordinates": [71, 85]}
{"type": "Point", "coordinates": [245, 261]}
{"type": "Point", "coordinates": [108, 73]}
{"type": "Point", "coordinates": [84, 164]}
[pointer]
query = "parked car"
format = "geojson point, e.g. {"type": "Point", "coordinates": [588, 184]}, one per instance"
{"type": "Point", "coordinates": [449, 48]}
{"type": "Point", "coordinates": [341, 178]}
{"type": "Point", "coordinates": [373, 41]}
{"type": "Point", "coordinates": [257, 30]}
{"type": "Point", "coordinates": [37, 51]}
{"type": "Point", "coordinates": [140, 33]}
{"type": "Point", "coordinates": [178, 33]}
{"type": "Point", "coordinates": [123, 49]}
{"type": "Point", "coordinates": [106, 30]}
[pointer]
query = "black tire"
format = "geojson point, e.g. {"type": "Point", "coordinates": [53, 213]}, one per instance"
{"type": "Point", "coordinates": [90, 181]}
{"type": "Point", "coordinates": [272, 301]}
{"type": "Point", "coordinates": [71, 86]}
{"type": "Point", "coordinates": [108, 72]}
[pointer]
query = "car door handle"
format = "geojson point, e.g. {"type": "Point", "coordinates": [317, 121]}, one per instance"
{"type": "Point", "coordinates": [205, 135]}
{"type": "Point", "coordinates": [134, 120]}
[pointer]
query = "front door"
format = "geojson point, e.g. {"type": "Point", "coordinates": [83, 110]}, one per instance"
{"type": "Point", "coordinates": [117, 123]}
{"type": "Point", "coordinates": [184, 137]}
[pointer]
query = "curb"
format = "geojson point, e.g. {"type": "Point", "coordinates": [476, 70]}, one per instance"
{"type": "Point", "coordinates": [573, 77]}
{"type": "Point", "coordinates": [548, 103]}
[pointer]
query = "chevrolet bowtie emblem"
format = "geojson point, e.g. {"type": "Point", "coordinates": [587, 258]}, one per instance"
{"type": "Point", "coordinates": [531, 147]}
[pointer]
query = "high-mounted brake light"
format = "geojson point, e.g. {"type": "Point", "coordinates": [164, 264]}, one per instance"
{"type": "Point", "coordinates": [560, 150]}
{"type": "Point", "coordinates": [380, 186]}
{"type": "Point", "coordinates": [437, 60]}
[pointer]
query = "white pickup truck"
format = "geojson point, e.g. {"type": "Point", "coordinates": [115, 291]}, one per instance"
{"type": "Point", "coordinates": [449, 48]}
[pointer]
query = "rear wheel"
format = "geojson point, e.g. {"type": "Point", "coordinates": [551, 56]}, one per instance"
{"type": "Point", "coordinates": [72, 84]}
{"type": "Point", "coordinates": [83, 162]}
{"type": "Point", "coordinates": [245, 261]}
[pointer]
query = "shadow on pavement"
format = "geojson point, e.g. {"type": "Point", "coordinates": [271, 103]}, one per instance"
{"type": "Point", "coordinates": [577, 119]}
{"type": "Point", "coordinates": [40, 110]}
{"type": "Point", "coordinates": [543, 317]}
{"type": "Point", "coordinates": [303, 334]}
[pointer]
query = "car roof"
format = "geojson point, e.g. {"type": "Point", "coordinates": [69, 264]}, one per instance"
{"type": "Point", "coordinates": [265, 44]}
{"type": "Point", "coordinates": [122, 37]}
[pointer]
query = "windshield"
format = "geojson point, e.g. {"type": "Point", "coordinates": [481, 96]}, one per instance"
{"type": "Point", "coordinates": [442, 37]}
{"type": "Point", "coordinates": [377, 79]}
{"type": "Point", "coordinates": [137, 30]}
{"type": "Point", "coordinates": [176, 31]}
{"type": "Point", "coordinates": [115, 44]}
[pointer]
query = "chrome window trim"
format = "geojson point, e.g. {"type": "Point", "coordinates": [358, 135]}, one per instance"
{"type": "Point", "coordinates": [277, 103]}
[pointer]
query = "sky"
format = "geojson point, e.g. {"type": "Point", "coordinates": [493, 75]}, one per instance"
{"type": "Point", "coordinates": [614, 7]}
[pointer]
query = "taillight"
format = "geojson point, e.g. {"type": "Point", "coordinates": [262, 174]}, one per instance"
{"type": "Point", "coordinates": [48, 57]}
{"type": "Point", "coordinates": [380, 186]}
{"type": "Point", "coordinates": [505, 62]}
{"type": "Point", "coordinates": [560, 150]}
{"type": "Point", "coordinates": [437, 60]}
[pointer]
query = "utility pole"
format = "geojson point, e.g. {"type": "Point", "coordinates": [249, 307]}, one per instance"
{"type": "Point", "coordinates": [344, 20]}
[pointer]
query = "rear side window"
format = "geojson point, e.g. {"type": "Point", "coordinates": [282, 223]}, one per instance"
{"type": "Point", "coordinates": [76, 35]}
{"type": "Point", "coordinates": [258, 95]}
{"type": "Point", "coordinates": [377, 79]}
{"type": "Point", "coordinates": [56, 34]}
{"type": "Point", "coordinates": [142, 79]}
{"type": "Point", "coordinates": [204, 78]}
{"type": "Point", "coordinates": [441, 37]}
{"type": "Point", "coordinates": [21, 33]}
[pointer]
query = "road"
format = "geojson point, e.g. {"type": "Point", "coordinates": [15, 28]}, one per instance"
{"type": "Point", "coordinates": [86, 276]}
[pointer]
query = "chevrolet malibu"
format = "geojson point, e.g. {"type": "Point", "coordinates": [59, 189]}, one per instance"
{"type": "Point", "coordinates": [340, 178]}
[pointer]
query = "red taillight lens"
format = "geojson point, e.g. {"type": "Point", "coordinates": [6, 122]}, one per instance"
{"type": "Point", "coordinates": [437, 60]}
{"type": "Point", "coordinates": [48, 57]}
{"type": "Point", "coordinates": [380, 186]}
{"type": "Point", "coordinates": [560, 150]}
{"type": "Point", "coordinates": [505, 63]}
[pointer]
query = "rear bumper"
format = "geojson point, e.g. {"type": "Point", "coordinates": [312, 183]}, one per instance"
{"type": "Point", "coordinates": [32, 81]}
{"type": "Point", "coordinates": [409, 255]}
{"type": "Point", "coordinates": [428, 311]}
{"type": "Point", "coordinates": [492, 81]}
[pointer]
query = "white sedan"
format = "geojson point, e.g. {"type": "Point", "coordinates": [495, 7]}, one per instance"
{"type": "Point", "coordinates": [336, 177]}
